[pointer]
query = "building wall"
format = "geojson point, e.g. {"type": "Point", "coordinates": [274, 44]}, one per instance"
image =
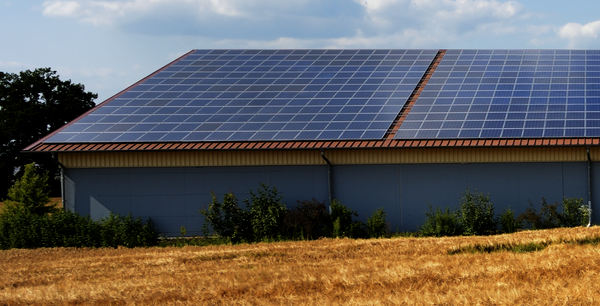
{"type": "Point", "coordinates": [172, 196]}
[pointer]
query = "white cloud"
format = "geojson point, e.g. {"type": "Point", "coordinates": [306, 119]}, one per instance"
{"type": "Point", "coordinates": [310, 23]}
{"type": "Point", "coordinates": [573, 30]}
{"type": "Point", "coordinates": [61, 8]}
{"type": "Point", "coordinates": [580, 35]}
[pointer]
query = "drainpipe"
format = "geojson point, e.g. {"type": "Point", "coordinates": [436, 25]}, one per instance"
{"type": "Point", "coordinates": [62, 179]}
{"type": "Point", "coordinates": [328, 176]}
{"type": "Point", "coordinates": [589, 162]}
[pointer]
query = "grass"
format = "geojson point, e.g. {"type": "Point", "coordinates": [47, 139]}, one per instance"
{"type": "Point", "coordinates": [398, 271]}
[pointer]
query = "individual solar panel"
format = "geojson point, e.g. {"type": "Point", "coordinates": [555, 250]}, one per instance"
{"type": "Point", "coordinates": [509, 94]}
{"type": "Point", "coordinates": [282, 94]}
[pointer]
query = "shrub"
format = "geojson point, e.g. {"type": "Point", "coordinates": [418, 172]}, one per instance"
{"type": "Point", "coordinates": [341, 223]}
{"type": "Point", "coordinates": [548, 217]}
{"type": "Point", "coordinates": [29, 222]}
{"type": "Point", "coordinates": [377, 224]}
{"type": "Point", "coordinates": [573, 214]}
{"type": "Point", "coordinates": [307, 220]}
{"type": "Point", "coordinates": [126, 231]}
{"type": "Point", "coordinates": [586, 211]}
{"type": "Point", "coordinates": [477, 214]}
{"type": "Point", "coordinates": [508, 223]}
{"type": "Point", "coordinates": [227, 219]}
{"type": "Point", "coordinates": [266, 212]}
{"type": "Point", "coordinates": [440, 223]}
{"type": "Point", "coordinates": [68, 229]}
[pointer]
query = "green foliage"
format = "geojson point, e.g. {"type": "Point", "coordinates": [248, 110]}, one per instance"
{"type": "Point", "coordinates": [33, 104]}
{"type": "Point", "coordinates": [227, 219]}
{"type": "Point", "coordinates": [28, 222]}
{"type": "Point", "coordinates": [68, 229]}
{"type": "Point", "coordinates": [266, 211]}
{"type": "Point", "coordinates": [440, 223]}
{"type": "Point", "coordinates": [29, 194]}
{"type": "Point", "coordinates": [586, 212]}
{"type": "Point", "coordinates": [574, 213]}
{"type": "Point", "coordinates": [508, 223]}
{"type": "Point", "coordinates": [116, 230]}
{"type": "Point", "coordinates": [477, 214]}
{"type": "Point", "coordinates": [341, 223]}
{"type": "Point", "coordinates": [377, 224]}
{"type": "Point", "coordinates": [307, 220]}
{"type": "Point", "coordinates": [262, 218]}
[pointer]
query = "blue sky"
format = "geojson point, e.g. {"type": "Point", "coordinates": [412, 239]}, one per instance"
{"type": "Point", "coordinates": [111, 44]}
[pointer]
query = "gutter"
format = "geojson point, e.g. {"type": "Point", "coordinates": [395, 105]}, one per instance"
{"type": "Point", "coordinates": [589, 181]}
{"type": "Point", "coordinates": [62, 178]}
{"type": "Point", "coordinates": [328, 177]}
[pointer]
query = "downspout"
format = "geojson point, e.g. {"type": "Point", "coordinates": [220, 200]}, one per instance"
{"type": "Point", "coordinates": [328, 177]}
{"type": "Point", "coordinates": [589, 179]}
{"type": "Point", "coordinates": [62, 179]}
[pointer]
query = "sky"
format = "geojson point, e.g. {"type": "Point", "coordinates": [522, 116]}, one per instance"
{"type": "Point", "coordinates": [109, 45]}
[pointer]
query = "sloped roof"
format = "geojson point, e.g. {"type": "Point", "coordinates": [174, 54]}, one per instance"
{"type": "Point", "coordinates": [272, 99]}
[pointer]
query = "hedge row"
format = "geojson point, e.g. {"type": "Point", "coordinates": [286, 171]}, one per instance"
{"type": "Point", "coordinates": [68, 229]}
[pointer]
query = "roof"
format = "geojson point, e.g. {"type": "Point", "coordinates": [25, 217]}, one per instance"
{"type": "Point", "coordinates": [302, 99]}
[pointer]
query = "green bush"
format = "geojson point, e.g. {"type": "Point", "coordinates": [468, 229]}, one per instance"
{"type": "Point", "coordinates": [440, 223]}
{"type": "Point", "coordinates": [262, 219]}
{"type": "Point", "coordinates": [341, 223]}
{"type": "Point", "coordinates": [477, 214]}
{"type": "Point", "coordinates": [29, 222]}
{"type": "Point", "coordinates": [574, 213]}
{"type": "Point", "coordinates": [377, 224]}
{"type": "Point", "coordinates": [227, 219]}
{"type": "Point", "coordinates": [68, 229]}
{"type": "Point", "coordinates": [307, 220]}
{"type": "Point", "coordinates": [508, 223]}
{"type": "Point", "coordinates": [266, 211]}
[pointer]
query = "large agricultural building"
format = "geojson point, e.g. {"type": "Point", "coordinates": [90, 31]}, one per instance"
{"type": "Point", "coordinates": [398, 129]}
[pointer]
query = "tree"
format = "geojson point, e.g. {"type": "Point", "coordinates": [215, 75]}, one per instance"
{"type": "Point", "coordinates": [29, 194]}
{"type": "Point", "coordinates": [33, 104]}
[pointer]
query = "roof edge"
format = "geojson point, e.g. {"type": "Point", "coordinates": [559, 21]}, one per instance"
{"type": "Point", "coordinates": [311, 145]}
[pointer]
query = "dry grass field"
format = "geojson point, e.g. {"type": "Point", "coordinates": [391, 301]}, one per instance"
{"type": "Point", "coordinates": [401, 271]}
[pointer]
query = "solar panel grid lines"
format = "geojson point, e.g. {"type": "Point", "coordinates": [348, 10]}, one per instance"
{"type": "Point", "coordinates": [255, 95]}
{"type": "Point", "coordinates": [509, 94]}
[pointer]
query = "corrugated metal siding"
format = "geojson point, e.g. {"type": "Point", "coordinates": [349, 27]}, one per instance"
{"type": "Point", "coordinates": [595, 153]}
{"type": "Point", "coordinates": [457, 155]}
{"type": "Point", "coordinates": [189, 158]}
{"type": "Point", "coordinates": [312, 157]}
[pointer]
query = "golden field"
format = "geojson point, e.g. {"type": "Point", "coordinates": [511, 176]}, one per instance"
{"type": "Point", "coordinates": [400, 271]}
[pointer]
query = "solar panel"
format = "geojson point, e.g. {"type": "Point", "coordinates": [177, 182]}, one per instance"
{"type": "Point", "coordinates": [509, 94]}
{"type": "Point", "coordinates": [226, 95]}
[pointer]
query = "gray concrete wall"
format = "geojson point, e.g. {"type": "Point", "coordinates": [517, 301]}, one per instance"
{"type": "Point", "coordinates": [173, 196]}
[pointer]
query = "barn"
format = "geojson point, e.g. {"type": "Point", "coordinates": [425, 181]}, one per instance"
{"type": "Point", "coordinates": [397, 129]}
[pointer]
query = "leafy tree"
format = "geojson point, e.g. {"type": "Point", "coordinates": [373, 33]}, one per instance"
{"type": "Point", "coordinates": [33, 104]}
{"type": "Point", "coordinates": [29, 194]}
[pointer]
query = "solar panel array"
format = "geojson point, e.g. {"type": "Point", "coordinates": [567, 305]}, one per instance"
{"type": "Point", "coordinates": [237, 95]}
{"type": "Point", "coordinates": [509, 94]}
